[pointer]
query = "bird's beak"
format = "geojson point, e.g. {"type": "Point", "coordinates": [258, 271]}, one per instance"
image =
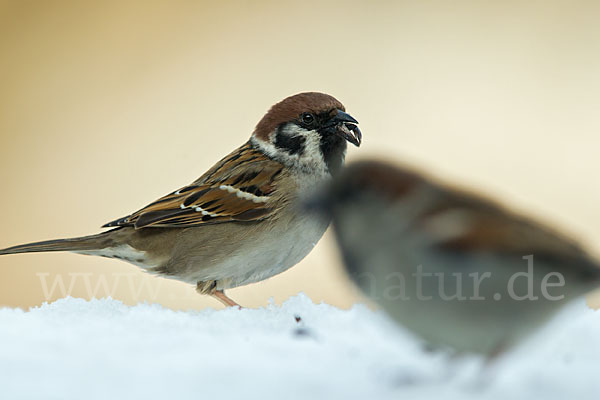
{"type": "Point", "coordinates": [345, 126]}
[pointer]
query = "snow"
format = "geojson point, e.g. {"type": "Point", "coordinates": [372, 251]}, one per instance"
{"type": "Point", "coordinates": [100, 349]}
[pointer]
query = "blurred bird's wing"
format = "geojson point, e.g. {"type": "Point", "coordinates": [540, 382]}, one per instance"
{"type": "Point", "coordinates": [474, 225]}
{"type": "Point", "coordinates": [240, 187]}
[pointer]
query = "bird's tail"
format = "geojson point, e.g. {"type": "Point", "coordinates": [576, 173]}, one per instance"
{"type": "Point", "coordinates": [79, 244]}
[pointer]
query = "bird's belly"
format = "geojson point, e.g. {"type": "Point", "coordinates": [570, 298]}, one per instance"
{"type": "Point", "coordinates": [257, 255]}
{"type": "Point", "coordinates": [468, 303]}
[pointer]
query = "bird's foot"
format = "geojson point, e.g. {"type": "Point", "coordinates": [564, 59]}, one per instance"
{"type": "Point", "coordinates": [222, 297]}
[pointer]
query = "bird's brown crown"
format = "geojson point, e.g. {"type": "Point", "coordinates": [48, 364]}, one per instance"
{"type": "Point", "coordinates": [292, 107]}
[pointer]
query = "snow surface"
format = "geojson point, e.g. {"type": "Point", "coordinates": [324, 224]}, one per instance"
{"type": "Point", "coordinates": [103, 349]}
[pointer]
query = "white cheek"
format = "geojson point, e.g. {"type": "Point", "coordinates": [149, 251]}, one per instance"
{"type": "Point", "coordinates": [312, 156]}
{"type": "Point", "coordinates": [310, 160]}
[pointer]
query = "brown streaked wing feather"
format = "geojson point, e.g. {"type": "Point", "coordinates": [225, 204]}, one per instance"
{"type": "Point", "coordinates": [237, 188]}
{"type": "Point", "coordinates": [491, 228]}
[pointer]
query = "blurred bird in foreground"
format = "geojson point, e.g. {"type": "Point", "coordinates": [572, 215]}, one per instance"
{"type": "Point", "coordinates": [238, 223]}
{"type": "Point", "coordinates": [459, 270]}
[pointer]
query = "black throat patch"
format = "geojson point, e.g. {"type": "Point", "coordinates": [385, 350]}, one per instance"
{"type": "Point", "coordinates": [333, 148]}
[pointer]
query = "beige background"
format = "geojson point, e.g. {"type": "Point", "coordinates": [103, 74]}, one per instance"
{"type": "Point", "coordinates": [104, 106]}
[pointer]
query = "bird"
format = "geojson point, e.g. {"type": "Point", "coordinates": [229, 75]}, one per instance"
{"type": "Point", "coordinates": [239, 222]}
{"type": "Point", "coordinates": [459, 270]}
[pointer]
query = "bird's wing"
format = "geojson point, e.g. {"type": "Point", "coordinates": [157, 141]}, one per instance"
{"type": "Point", "coordinates": [463, 225]}
{"type": "Point", "coordinates": [240, 187]}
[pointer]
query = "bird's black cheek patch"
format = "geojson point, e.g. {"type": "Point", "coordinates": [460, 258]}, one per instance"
{"type": "Point", "coordinates": [291, 144]}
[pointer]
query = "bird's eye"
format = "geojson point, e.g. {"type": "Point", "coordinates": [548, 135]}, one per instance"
{"type": "Point", "coordinates": [308, 118]}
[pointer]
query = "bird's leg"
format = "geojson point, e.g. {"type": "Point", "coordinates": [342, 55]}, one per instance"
{"type": "Point", "coordinates": [222, 297]}
{"type": "Point", "coordinates": [210, 288]}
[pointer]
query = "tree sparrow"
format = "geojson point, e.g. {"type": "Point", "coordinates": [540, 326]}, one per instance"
{"type": "Point", "coordinates": [238, 223]}
{"type": "Point", "coordinates": [457, 269]}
